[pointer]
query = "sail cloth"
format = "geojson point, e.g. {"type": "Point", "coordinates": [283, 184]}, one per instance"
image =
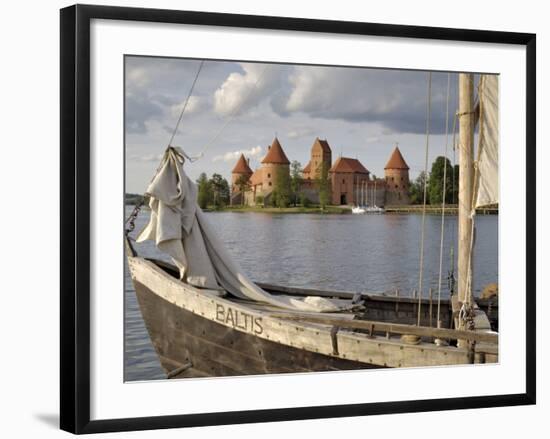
{"type": "Point", "coordinates": [487, 163]}
{"type": "Point", "coordinates": [180, 229]}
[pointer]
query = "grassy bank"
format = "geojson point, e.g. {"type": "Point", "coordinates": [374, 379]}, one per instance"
{"type": "Point", "coordinates": [451, 209]}
{"type": "Point", "coordinates": [298, 209]}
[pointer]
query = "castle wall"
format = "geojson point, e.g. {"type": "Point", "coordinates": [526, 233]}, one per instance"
{"type": "Point", "coordinates": [270, 171]}
{"type": "Point", "coordinates": [377, 193]}
{"type": "Point", "coordinates": [311, 193]}
{"type": "Point", "coordinates": [345, 186]}
{"type": "Point", "coordinates": [234, 187]}
{"type": "Point", "coordinates": [397, 182]}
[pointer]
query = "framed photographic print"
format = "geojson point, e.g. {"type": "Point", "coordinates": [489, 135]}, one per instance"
{"type": "Point", "coordinates": [264, 213]}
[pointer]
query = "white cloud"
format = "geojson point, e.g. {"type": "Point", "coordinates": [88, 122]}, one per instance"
{"type": "Point", "coordinates": [195, 105]}
{"type": "Point", "coordinates": [137, 77]}
{"type": "Point", "coordinates": [373, 139]}
{"type": "Point", "coordinates": [234, 155]}
{"type": "Point", "coordinates": [243, 91]}
{"type": "Point", "coordinates": [300, 132]}
{"type": "Point", "coordinates": [395, 98]}
{"type": "Point", "coordinates": [148, 157]}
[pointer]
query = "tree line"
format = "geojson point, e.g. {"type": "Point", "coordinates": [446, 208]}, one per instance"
{"type": "Point", "coordinates": [287, 190]}
{"type": "Point", "coordinates": [215, 191]}
{"type": "Point", "coordinates": [212, 191]}
{"type": "Point", "coordinates": [435, 180]}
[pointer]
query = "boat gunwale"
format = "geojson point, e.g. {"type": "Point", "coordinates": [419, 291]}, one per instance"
{"type": "Point", "coordinates": [347, 341]}
{"type": "Point", "coordinates": [343, 294]}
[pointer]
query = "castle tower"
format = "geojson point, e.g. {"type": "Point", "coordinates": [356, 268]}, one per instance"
{"type": "Point", "coordinates": [320, 154]}
{"type": "Point", "coordinates": [347, 176]}
{"type": "Point", "coordinates": [397, 179]}
{"type": "Point", "coordinates": [241, 168]}
{"type": "Point", "coordinates": [275, 161]}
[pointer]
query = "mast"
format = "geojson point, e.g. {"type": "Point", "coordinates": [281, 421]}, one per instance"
{"type": "Point", "coordinates": [465, 186]}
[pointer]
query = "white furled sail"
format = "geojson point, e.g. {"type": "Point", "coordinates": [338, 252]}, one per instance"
{"type": "Point", "coordinates": [180, 229]}
{"type": "Point", "coordinates": [487, 163]}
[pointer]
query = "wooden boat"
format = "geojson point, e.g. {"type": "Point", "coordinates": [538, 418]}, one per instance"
{"type": "Point", "coordinates": [198, 333]}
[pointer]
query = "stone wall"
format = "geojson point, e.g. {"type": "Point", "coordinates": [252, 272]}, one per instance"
{"type": "Point", "coordinates": [397, 187]}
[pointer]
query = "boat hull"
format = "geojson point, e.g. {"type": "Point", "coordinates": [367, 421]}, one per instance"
{"type": "Point", "coordinates": [196, 346]}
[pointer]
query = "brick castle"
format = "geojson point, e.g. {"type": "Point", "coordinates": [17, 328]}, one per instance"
{"type": "Point", "coordinates": [350, 183]}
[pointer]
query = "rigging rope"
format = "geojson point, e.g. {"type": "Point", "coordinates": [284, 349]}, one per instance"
{"type": "Point", "coordinates": [185, 103]}
{"type": "Point", "coordinates": [137, 208]}
{"type": "Point", "coordinates": [443, 203]}
{"type": "Point", "coordinates": [421, 269]}
{"type": "Point", "coordinates": [451, 276]}
{"type": "Point", "coordinates": [131, 219]}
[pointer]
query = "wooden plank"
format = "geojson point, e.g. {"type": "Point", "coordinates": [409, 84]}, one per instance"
{"type": "Point", "coordinates": [182, 338]}
{"type": "Point", "coordinates": [301, 334]}
{"type": "Point", "coordinates": [465, 187]}
{"type": "Point", "coordinates": [306, 291]}
{"type": "Point", "coordinates": [394, 328]}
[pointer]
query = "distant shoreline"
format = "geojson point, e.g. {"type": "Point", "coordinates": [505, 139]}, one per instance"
{"type": "Point", "coordinates": [337, 210]}
{"type": "Point", "coordinates": [409, 209]}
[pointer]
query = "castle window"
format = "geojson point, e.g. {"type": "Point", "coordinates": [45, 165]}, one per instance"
{"type": "Point", "coordinates": [396, 186]}
{"type": "Point", "coordinates": [268, 175]}
{"type": "Point", "coordinates": [343, 181]}
{"type": "Point", "coordinates": [269, 183]}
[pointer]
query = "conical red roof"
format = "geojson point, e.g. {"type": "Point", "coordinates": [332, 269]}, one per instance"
{"type": "Point", "coordinates": [241, 167]}
{"type": "Point", "coordinates": [275, 154]}
{"type": "Point", "coordinates": [396, 161]}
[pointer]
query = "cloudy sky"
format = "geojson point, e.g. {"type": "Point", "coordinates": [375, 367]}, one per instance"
{"type": "Point", "coordinates": [239, 107]}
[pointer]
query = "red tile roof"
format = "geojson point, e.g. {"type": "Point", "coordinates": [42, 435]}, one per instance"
{"type": "Point", "coordinates": [323, 143]}
{"type": "Point", "coordinates": [275, 154]}
{"type": "Point", "coordinates": [241, 167]}
{"type": "Point", "coordinates": [348, 165]}
{"type": "Point", "coordinates": [396, 161]}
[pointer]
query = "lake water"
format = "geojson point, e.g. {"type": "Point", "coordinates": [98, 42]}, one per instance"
{"type": "Point", "coordinates": [374, 253]}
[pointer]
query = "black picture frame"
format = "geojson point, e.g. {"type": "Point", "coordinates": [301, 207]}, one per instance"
{"type": "Point", "coordinates": [75, 217]}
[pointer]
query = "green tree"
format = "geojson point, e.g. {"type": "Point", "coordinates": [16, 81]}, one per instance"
{"type": "Point", "coordinates": [456, 170]}
{"type": "Point", "coordinates": [416, 190]}
{"type": "Point", "coordinates": [281, 192]}
{"type": "Point", "coordinates": [304, 200]}
{"type": "Point", "coordinates": [220, 190]}
{"type": "Point", "coordinates": [205, 191]}
{"type": "Point", "coordinates": [323, 185]}
{"type": "Point", "coordinates": [436, 181]}
{"type": "Point", "coordinates": [243, 184]}
{"type": "Point", "coordinates": [295, 180]}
